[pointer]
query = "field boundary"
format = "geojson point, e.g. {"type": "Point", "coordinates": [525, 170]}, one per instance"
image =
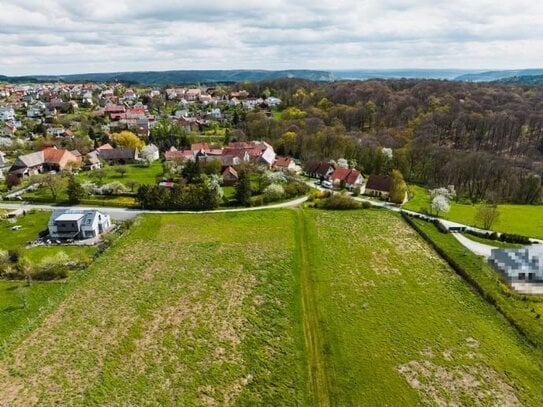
{"type": "Point", "coordinates": [318, 376]}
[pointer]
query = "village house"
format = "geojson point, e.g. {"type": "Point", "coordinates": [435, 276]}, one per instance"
{"type": "Point", "coordinates": [7, 113]}
{"type": "Point", "coordinates": [229, 176]}
{"type": "Point", "coordinates": [319, 169]}
{"type": "Point", "coordinates": [49, 159]}
{"type": "Point", "coordinates": [346, 177]}
{"type": "Point", "coordinates": [118, 156]}
{"type": "Point", "coordinates": [379, 186]}
{"type": "Point", "coordinates": [78, 224]}
{"type": "Point", "coordinates": [285, 164]}
{"type": "Point", "coordinates": [7, 129]}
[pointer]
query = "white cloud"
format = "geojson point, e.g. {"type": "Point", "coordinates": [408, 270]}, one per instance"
{"type": "Point", "coordinates": [66, 36]}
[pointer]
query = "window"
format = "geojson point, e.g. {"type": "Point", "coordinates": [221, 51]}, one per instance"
{"type": "Point", "coordinates": [522, 276]}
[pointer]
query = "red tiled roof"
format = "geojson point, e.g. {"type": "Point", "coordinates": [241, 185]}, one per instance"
{"type": "Point", "coordinates": [53, 155]}
{"type": "Point", "coordinates": [282, 162]}
{"type": "Point", "coordinates": [171, 155]}
{"type": "Point", "coordinates": [230, 171]}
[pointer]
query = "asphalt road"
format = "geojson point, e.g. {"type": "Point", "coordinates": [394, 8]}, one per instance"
{"type": "Point", "coordinates": [128, 213]}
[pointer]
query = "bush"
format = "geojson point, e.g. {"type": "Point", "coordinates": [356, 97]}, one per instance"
{"type": "Point", "coordinates": [296, 188]}
{"type": "Point", "coordinates": [366, 205]}
{"type": "Point", "coordinates": [273, 192]}
{"type": "Point", "coordinates": [440, 226]}
{"type": "Point", "coordinates": [339, 202]}
{"type": "Point", "coordinates": [257, 200]}
{"type": "Point", "coordinates": [356, 190]}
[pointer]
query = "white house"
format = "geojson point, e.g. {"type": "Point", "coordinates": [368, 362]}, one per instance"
{"type": "Point", "coordinates": [78, 224]}
{"type": "Point", "coordinates": [7, 113]}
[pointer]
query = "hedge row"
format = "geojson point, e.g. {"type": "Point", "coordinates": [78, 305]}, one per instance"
{"type": "Point", "coordinates": [503, 237]}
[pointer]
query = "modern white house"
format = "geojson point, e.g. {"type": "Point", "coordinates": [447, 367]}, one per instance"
{"type": "Point", "coordinates": [78, 224]}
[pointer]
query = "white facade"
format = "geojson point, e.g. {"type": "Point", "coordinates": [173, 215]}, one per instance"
{"type": "Point", "coordinates": [78, 224]}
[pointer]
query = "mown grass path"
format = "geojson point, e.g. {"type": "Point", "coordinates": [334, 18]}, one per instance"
{"type": "Point", "coordinates": [319, 379]}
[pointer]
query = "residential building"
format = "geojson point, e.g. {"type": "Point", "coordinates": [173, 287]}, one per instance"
{"type": "Point", "coordinates": [78, 224]}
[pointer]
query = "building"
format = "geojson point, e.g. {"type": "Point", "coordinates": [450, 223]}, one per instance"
{"type": "Point", "coordinates": [319, 169]}
{"type": "Point", "coordinates": [118, 156]}
{"type": "Point", "coordinates": [49, 159]}
{"type": "Point", "coordinates": [78, 224]}
{"type": "Point", "coordinates": [379, 185]}
{"type": "Point", "coordinates": [346, 177]}
{"type": "Point", "coordinates": [230, 176]}
{"type": "Point", "coordinates": [522, 266]}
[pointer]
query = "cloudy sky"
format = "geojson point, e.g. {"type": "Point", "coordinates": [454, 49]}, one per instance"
{"type": "Point", "coordinates": [72, 36]}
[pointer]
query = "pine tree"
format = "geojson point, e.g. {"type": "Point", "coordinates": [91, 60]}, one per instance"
{"type": "Point", "coordinates": [243, 188]}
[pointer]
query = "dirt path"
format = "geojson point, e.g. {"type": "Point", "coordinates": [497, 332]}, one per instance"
{"type": "Point", "coordinates": [318, 375]}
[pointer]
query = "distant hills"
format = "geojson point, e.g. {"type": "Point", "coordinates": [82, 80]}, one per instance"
{"type": "Point", "coordinates": [180, 77]}
{"type": "Point", "coordinates": [522, 76]}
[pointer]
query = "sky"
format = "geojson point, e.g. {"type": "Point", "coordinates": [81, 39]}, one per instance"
{"type": "Point", "coordinates": [72, 36]}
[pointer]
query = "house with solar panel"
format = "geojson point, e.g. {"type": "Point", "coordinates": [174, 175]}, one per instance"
{"type": "Point", "coordinates": [78, 224]}
{"type": "Point", "coordinates": [519, 266]}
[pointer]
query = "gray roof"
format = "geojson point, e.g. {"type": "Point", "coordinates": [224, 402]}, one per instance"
{"type": "Point", "coordinates": [514, 261]}
{"type": "Point", "coordinates": [70, 214]}
{"type": "Point", "coordinates": [31, 160]}
{"type": "Point", "coordinates": [118, 154]}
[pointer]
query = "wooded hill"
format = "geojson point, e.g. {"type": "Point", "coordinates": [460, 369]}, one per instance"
{"type": "Point", "coordinates": [486, 139]}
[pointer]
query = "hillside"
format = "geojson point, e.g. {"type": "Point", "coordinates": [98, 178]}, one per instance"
{"type": "Point", "coordinates": [180, 76]}
{"type": "Point", "coordinates": [530, 80]}
{"type": "Point", "coordinates": [490, 76]}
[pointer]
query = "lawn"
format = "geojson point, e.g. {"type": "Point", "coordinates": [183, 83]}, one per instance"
{"type": "Point", "coordinates": [277, 307]}
{"type": "Point", "coordinates": [135, 172]}
{"type": "Point", "coordinates": [31, 225]}
{"type": "Point", "coordinates": [526, 220]}
{"type": "Point", "coordinates": [400, 328]}
{"type": "Point", "coordinates": [184, 310]}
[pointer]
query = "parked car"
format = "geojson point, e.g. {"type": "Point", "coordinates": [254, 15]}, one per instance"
{"type": "Point", "coordinates": [327, 184]}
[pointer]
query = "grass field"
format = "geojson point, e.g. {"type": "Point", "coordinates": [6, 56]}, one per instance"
{"type": "Point", "coordinates": [400, 328]}
{"type": "Point", "coordinates": [285, 307]}
{"type": "Point", "coordinates": [184, 310]}
{"type": "Point", "coordinates": [526, 220]}
{"type": "Point", "coordinates": [136, 173]}
{"type": "Point", "coordinates": [14, 317]}
{"type": "Point", "coordinates": [31, 225]}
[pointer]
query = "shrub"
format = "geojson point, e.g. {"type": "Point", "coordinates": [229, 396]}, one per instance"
{"type": "Point", "coordinates": [356, 190]}
{"type": "Point", "coordinates": [273, 192]}
{"type": "Point", "coordinates": [440, 226]}
{"type": "Point", "coordinates": [257, 200]}
{"type": "Point", "coordinates": [338, 201]}
{"type": "Point", "coordinates": [366, 205]}
{"type": "Point", "coordinates": [296, 188]}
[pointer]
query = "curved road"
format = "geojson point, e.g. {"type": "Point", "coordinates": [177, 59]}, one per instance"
{"type": "Point", "coordinates": [127, 213]}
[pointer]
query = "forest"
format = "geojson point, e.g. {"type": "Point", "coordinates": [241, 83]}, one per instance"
{"type": "Point", "coordinates": [486, 139]}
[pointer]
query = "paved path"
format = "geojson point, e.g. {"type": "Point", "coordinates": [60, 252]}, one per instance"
{"type": "Point", "coordinates": [479, 249]}
{"type": "Point", "coordinates": [127, 213]}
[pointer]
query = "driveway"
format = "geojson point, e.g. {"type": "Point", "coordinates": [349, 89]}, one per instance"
{"type": "Point", "coordinates": [479, 249]}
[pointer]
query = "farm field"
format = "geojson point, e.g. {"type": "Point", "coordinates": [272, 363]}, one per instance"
{"type": "Point", "coordinates": [183, 310]}
{"type": "Point", "coordinates": [13, 314]}
{"type": "Point", "coordinates": [400, 328]}
{"type": "Point", "coordinates": [526, 220]}
{"type": "Point", "coordinates": [278, 307]}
